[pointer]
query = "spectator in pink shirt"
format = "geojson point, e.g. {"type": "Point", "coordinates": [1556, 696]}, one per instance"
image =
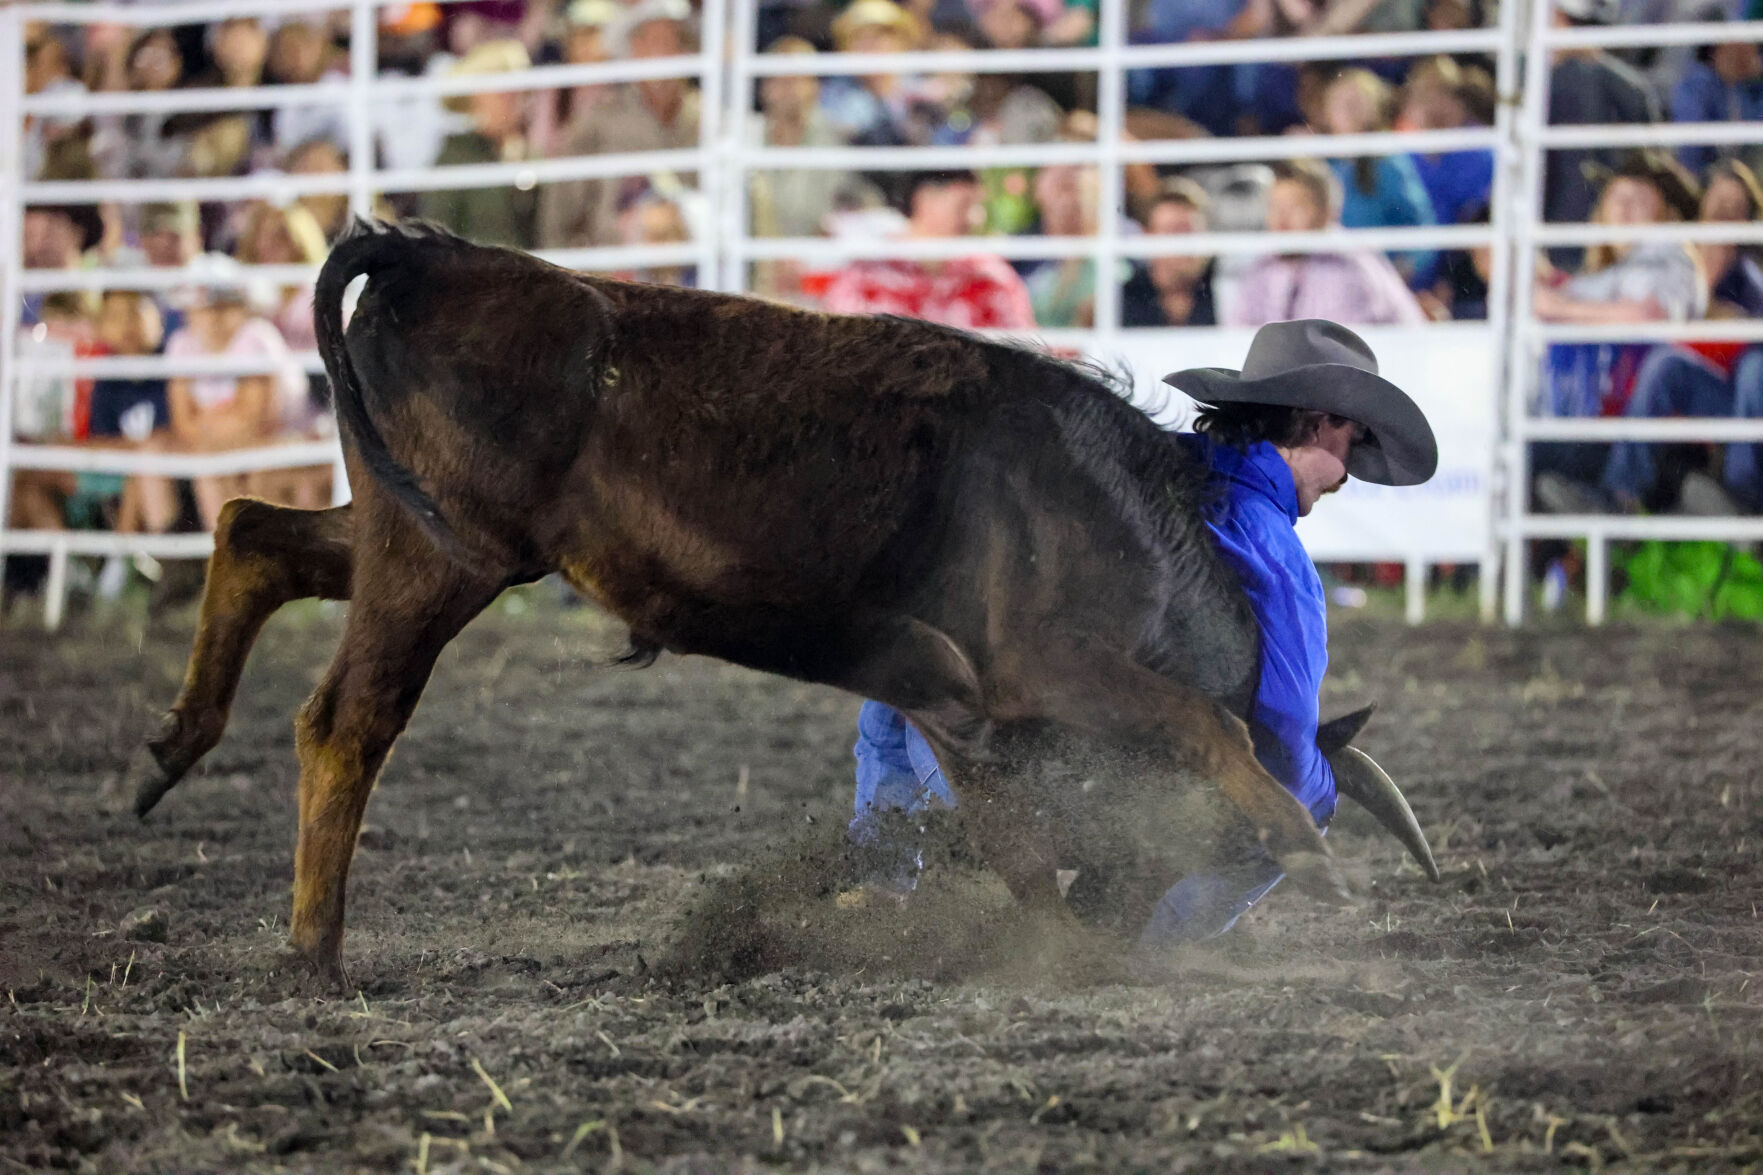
{"type": "Point", "coordinates": [215, 413]}
{"type": "Point", "coordinates": [1358, 288]}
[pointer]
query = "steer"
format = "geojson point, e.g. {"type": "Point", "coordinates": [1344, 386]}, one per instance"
{"type": "Point", "coordinates": [990, 540]}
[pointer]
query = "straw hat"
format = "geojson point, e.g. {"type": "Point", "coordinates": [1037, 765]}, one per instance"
{"type": "Point", "coordinates": [865, 14]}
{"type": "Point", "coordinates": [504, 56]}
{"type": "Point", "coordinates": [594, 14]}
{"type": "Point", "coordinates": [618, 36]}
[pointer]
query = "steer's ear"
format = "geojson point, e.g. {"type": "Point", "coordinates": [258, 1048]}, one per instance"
{"type": "Point", "coordinates": [1332, 736]}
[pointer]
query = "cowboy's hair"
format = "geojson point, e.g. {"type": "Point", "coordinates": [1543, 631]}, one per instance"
{"type": "Point", "coordinates": [1242, 426]}
{"type": "Point", "coordinates": [1315, 178]}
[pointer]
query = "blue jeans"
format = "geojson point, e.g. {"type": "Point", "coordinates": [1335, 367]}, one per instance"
{"type": "Point", "coordinates": [898, 773]}
{"type": "Point", "coordinates": [1675, 382]}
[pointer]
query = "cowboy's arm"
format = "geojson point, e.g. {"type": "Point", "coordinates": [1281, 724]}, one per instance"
{"type": "Point", "coordinates": [1288, 602]}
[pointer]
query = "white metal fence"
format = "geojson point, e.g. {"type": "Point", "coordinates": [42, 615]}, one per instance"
{"type": "Point", "coordinates": [726, 68]}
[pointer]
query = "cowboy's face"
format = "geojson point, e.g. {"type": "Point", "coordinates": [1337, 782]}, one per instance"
{"type": "Point", "coordinates": [1319, 466]}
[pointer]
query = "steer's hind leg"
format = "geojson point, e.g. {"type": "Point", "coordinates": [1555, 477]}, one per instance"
{"type": "Point", "coordinates": [264, 556]}
{"type": "Point", "coordinates": [1106, 693]}
{"type": "Point", "coordinates": [408, 604]}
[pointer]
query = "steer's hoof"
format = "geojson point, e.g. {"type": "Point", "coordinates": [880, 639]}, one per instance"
{"type": "Point", "coordinates": [149, 778]}
{"type": "Point", "coordinates": [1319, 876]}
{"type": "Point", "coordinates": [324, 966]}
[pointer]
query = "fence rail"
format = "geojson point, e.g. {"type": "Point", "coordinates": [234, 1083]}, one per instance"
{"type": "Point", "coordinates": [724, 163]}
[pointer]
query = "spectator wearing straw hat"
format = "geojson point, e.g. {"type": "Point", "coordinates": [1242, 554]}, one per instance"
{"type": "Point", "coordinates": [872, 110]}
{"type": "Point", "coordinates": [795, 203]}
{"type": "Point", "coordinates": [506, 213]}
{"type": "Point", "coordinates": [557, 115]}
{"type": "Point", "coordinates": [659, 114]}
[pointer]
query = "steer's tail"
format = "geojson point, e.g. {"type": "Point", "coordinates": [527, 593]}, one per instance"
{"type": "Point", "coordinates": [371, 248]}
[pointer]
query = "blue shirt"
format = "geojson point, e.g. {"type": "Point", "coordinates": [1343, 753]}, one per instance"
{"type": "Point", "coordinates": [1457, 182]}
{"type": "Point", "coordinates": [1703, 97]}
{"type": "Point", "coordinates": [1252, 522]}
{"type": "Point", "coordinates": [1398, 199]}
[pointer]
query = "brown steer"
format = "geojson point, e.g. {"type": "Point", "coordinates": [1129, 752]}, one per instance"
{"type": "Point", "coordinates": [985, 538]}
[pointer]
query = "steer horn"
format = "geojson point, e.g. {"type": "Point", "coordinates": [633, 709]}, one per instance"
{"type": "Point", "coordinates": [1366, 784]}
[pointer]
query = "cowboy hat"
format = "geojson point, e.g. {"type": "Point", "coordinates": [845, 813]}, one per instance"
{"type": "Point", "coordinates": [1321, 366]}
{"type": "Point", "coordinates": [1681, 192]}
{"type": "Point", "coordinates": [865, 14]}
{"type": "Point", "coordinates": [502, 56]}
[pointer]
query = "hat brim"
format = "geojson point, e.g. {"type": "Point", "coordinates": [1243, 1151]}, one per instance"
{"type": "Point", "coordinates": [1399, 448]}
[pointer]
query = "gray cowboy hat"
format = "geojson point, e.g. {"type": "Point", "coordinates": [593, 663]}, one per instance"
{"type": "Point", "coordinates": [1321, 366]}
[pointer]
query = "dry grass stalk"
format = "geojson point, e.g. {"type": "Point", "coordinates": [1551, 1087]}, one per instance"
{"type": "Point", "coordinates": [495, 1090]}
{"type": "Point", "coordinates": [581, 1133]}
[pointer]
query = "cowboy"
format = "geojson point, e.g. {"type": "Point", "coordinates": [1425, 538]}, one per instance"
{"type": "Point", "coordinates": [1307, 411]}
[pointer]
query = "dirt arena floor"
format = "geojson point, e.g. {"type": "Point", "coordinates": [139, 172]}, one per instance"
{"type": "Point", "coordinates": [1582, 990]}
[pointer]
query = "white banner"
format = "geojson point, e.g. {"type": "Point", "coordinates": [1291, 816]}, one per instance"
{"type": "Point", "coordinates": [1449, 369]}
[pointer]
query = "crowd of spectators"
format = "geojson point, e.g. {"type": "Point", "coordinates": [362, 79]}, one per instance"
{"type": "Point", "coordinates": [232, 315]}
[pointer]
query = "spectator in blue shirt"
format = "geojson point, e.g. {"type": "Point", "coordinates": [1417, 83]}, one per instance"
{"type": "Point", "coordinates": [1275, 444]}
{"type": "Point", "coordinates": [1441, 95]}
{"type": "Point", "coordinates": [1724, 85]}
{"type": "Point", "coordinates": [1378, 192]}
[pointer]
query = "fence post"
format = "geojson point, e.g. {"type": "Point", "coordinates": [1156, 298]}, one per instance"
{"type": "Point", "coordinates": [736, 211]}
{"type": "Point", "coordinates": [1415, 591]}
{"type": "Point", "coordinates": [1508, 164]}
{"type": "Point", "coordinates": [1521, 366]}
{"type": "Point", "coordinates": [713, 102]}
{"type": "Point", "coordinates": [1597, 577]}
{"type": "Point", "coordinates": [363, 64]}
{"type": "Point", "coordinates": [1110, 201]}
{"type": "Point", "coordinates": [55, 588]}
{"type": "Point", "coordinates": [12, 179]}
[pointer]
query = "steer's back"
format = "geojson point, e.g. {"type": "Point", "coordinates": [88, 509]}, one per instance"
{"type": "Point", "coordinates": [709, 465]}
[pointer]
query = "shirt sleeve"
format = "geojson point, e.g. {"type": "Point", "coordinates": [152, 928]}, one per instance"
{"type": "Point", "coordinates": [1286, 594]}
